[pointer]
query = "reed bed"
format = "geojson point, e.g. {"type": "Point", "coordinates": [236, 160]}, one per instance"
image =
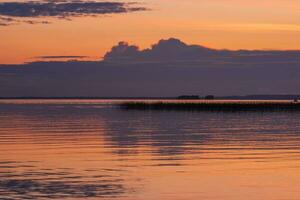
{"type": "Point", "coordinates": [238, 106]}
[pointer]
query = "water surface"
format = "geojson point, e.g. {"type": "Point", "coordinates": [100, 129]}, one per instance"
{"type": "Point", "coordinates": [74, 149]}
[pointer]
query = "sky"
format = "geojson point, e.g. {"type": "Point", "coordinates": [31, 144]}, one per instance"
{"type": "Point", "coordinates": [149, 48]}
{"type": "Point", "coordinates": [169, 68]}
{"type": "Point", "coordinates": [88, 34]}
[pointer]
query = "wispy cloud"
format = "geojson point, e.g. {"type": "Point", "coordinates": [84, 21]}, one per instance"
{"type": "Point", "coordinates": [256, 27]}
{"type": "Point", "coordinates": [6, 21]}
{"type": "Point", "coordinates": [61, 57]}
{"type": "Point", "coordinates": [14, 12]}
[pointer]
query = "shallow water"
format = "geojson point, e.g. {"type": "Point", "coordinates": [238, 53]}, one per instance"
{"type": "Point", "coordinates": [76, 149]}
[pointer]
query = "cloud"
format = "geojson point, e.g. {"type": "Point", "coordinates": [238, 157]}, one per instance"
{"type": "Point", "coordinates": [61, 57]}
{"type": "Point", "coordinates": [168, 68]}
{"type": "Point", "coordinates": [12, 12]}
{"type": "Point", "coordinates": [170, 49]}
{"type": "Point", "coordinates": [6, 21]}
{"type": "Point", "coordinates": [174, 50]}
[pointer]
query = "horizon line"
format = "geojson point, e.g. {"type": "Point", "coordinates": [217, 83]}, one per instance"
{"type": "Point", "coordinates": [237, 97]}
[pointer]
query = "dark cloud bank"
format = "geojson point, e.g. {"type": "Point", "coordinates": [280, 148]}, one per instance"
{"type": "Point", "coordinates": [15, 12]}
{"type": "Point", "coordinates": [168, 68]}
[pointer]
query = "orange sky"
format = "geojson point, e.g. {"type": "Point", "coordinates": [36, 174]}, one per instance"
{"type": "Point", "coordinates": [231, 24]}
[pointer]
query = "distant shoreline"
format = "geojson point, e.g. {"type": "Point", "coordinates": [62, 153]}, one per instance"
{"type": "Point", "coordinates": [246, 97]}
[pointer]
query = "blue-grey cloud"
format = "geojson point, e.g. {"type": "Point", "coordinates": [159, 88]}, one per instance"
{"type": "Point", "coordinates": [168, 68]}
{"type": "Point", "coordinates": [13, 12]}
{"type": "Point", "coordinates": [174, 50]}
{"type": "Point", "coordinates": [6, 21]}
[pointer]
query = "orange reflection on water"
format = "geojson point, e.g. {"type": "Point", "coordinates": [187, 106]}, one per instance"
{"type": "Point", "coordinates": [94, 150]}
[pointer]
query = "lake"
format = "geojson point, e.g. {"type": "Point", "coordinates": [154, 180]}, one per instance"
{"type": "Point", "coordinates": [75, 149]}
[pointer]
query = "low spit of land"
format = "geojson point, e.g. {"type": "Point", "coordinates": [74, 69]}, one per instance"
{"type": "Point", "coordinates": [218, 106]}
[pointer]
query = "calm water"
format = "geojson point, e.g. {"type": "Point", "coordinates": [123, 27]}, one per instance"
{"type": "Point", "coordinates": [91, 149]}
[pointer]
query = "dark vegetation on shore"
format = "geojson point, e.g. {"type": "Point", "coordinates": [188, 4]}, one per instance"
{"type": "Point", "coordinates": [215, 106]}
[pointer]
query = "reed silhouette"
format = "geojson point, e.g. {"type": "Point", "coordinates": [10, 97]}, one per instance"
{"type": "Point", "coordinates": [213, 106]}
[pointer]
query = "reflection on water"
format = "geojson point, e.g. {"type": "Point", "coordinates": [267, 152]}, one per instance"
{"type": "Point", "coordinates": [32, 183]}
{"type": "Point", "coordinates": [91, 149]}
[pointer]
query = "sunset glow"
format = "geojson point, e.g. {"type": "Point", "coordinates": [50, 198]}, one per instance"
{"type": "Point", "coordinates": [150, 99]}
{"type": "Point", "coordinates": [230, 24]}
